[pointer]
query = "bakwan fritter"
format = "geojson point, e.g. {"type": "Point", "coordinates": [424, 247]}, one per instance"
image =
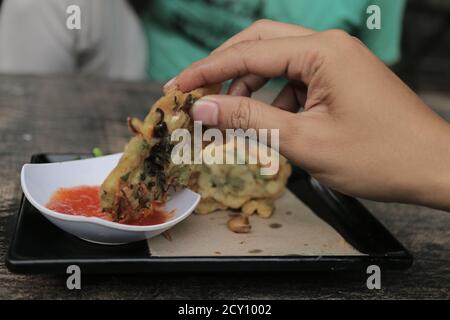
{"type": "Point", "coordinates": [145, 175]}
{"type": "Point", "coordinates": [239, 186]}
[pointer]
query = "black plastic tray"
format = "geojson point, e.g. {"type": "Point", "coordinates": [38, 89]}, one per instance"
{"type": "Point", "coordinates": [37, 246]}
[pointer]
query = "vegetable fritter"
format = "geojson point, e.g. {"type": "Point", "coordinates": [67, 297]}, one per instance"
{"type": "Point", "coordinates": [145, 173]}
{"type": "Point", "coordinates": [239, 186]}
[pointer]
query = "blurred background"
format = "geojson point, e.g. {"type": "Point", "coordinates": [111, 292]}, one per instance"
{"type": "Point", "coordinates": [154, 40]}
{"type": "Point", "coordinates": [425, 63]}
{"type": "Point", "coordinates": [425, 43]}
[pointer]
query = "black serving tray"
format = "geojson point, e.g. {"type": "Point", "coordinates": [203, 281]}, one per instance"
{"type": "Point", "coordinates": [37, 246]}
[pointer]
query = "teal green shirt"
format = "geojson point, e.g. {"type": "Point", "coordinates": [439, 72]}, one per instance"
{"type": "Point", "coordinates": [179, 32]}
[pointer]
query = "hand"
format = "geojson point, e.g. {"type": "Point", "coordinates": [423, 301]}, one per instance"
{"type": "Point", "coordinates": [362, 131]}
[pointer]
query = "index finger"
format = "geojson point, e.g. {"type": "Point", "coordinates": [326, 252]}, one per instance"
{"type": "Point", "coordinates": [265, 58]}
{"type": "Point", "coordinates": [260, 30]}
{"type": "Point", "coordinates": [264, 30]}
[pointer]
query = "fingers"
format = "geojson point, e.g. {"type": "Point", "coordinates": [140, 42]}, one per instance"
{"type": "Point", "coordinates": [215, 88]}
{"type": "Point", "coordinates": [292, 97]}
{"type": "Point", "coordinates": [232, 112]}
{"type": "Point", "coordinates": [296, 58]}
{"type": "Point", "coordinates": [260, 30]}
{"type": "Point", "coordinates": [265, 30]}
{"type": "Point", "coordinates": [246, 85]}
{"type": "Point", "coordinates": [286, 99]}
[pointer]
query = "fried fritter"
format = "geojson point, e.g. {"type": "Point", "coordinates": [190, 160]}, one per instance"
{"type": "Point", "coordinates": [239, 186]}
{"type": "Point", "coordinates": [145, 172]}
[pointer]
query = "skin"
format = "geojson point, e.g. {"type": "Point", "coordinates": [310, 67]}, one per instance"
{"type": "Point", "coordinates": [361, 130]}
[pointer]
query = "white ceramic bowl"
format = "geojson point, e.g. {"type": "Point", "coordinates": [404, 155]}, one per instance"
{"type": "Point", "coordinates": [39, 181]}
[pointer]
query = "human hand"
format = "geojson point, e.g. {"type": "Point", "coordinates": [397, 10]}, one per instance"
{"type": "Point", "coordinates": [362, 131]}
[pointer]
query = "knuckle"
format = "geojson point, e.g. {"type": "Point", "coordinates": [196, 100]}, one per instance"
{"type": "Point", "coordinates": [261, 23]}
{"type": "Point", "coordinates": [192, 68]}
{"type": "Point", "coordinates": [241, 116]}
{"type": "Point", "coordinates": [243, 53]}
{"type": "Point", "coordinates": [195, 70]}
{"type": "Point", "coordinates": [242, 46]}
{"type": "Point", "coordinates": [195, 65]}
{"type": "Point", "coordinates": [337, 35]}
{"type": "Point", "coordinates": [340, 43]}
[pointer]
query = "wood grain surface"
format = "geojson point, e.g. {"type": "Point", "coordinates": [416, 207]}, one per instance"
{"type": "Point", "coordinates": [64, 114]}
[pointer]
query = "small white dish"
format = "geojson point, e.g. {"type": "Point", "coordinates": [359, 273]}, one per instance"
{"type": "Point", "coordinates": [39, 181]}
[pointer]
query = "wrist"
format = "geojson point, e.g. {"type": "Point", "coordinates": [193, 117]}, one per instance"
{"type": "Point", "coordinates": [434, 185]}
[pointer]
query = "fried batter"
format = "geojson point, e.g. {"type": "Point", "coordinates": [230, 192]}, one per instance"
{"type": "Point", "coordinates": [239, 186]}
{"type": "Point", "coordinates": [145, 172]}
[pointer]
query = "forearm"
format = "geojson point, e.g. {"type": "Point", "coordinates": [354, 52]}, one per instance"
{"type": "Point", "coordinates": [433, 183]}
{"type": "Point", "coordinates": [431, 175]}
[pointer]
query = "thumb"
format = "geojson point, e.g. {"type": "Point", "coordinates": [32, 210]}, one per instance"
{"type": "Point", "coordinates": [235, 112]}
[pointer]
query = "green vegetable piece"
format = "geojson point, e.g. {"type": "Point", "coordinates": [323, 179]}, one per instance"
{"type": "Point", "coordinates": [125, 177]}
{"type": "Point", "coordinates": [97, 152]}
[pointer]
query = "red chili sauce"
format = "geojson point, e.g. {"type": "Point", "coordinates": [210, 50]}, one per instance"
{"type": "Point", "coordinates": [85, 201]}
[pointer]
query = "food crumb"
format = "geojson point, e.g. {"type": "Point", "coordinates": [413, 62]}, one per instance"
{"type": "Point", "coordinates": [167, 235]}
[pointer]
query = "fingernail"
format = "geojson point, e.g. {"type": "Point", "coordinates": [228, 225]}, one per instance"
{"type": "Point", "coordinates": [169, 83]}
{"type": "Point", "coordinates": [206, 111]}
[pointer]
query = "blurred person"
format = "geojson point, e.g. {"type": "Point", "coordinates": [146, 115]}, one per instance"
{"type": "Point", "coordinates": [34, 39]}
{"type": "Point", "coordinates": [167, 36]}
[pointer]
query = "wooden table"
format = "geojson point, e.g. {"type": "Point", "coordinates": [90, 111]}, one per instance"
{"type": "Point", "coordinates": [58, 114]}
